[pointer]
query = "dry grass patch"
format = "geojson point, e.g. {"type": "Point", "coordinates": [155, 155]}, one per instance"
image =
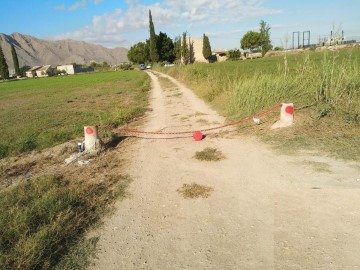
{"type": "Point", "coordinates": [202, 121]}
{"type": "Point", "coordinates": [200, 113]}
{"type": "Point", "coordinates": [317, 166]}
{"type": "Point", "coordinates": [191, 191]}
{"type": "Point", "coordinates": [209, 154]}
{"type": "Point", "coordinates": [166, 83]}
{"type": "Point", "coordinates": [177, 94]}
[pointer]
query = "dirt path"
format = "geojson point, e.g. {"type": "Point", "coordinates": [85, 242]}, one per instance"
{"type": "Point", "coordinates": [266, 211]}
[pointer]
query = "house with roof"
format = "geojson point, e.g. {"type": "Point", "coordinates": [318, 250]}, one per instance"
{"type": "Point", "coordinates": [31, 73]}
{"type": "Point", "coordinates": [73, 69]}
{"type": "Point", "coordinates": [43, 71]}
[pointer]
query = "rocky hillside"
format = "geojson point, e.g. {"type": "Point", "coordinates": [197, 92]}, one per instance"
{"type": "Point", "coordinates": [32, 51]}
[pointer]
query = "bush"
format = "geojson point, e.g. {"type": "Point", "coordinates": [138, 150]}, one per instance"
{"type": "Point", "coordinates": [234, 54]}
{"type": "Point", "coordinates": [125, 66]}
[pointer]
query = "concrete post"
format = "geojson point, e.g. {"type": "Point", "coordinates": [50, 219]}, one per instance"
{"type": "Point", "coordinates": [286, 116]}
{"type": "Point", "coordinates": [92, 142]}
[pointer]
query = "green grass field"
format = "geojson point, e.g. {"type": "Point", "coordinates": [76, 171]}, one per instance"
{"type": "Point", "coordinates": [39, 113]}
{"type": "Point", "coordinates": [326, 83]}
{"type": "Point", "coordinates": [43, 219]}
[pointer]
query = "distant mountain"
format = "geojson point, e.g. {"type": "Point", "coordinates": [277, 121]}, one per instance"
{"type": "Point", "coordinates": [32, 51]}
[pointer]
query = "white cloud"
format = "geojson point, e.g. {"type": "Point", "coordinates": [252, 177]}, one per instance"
{"type": "Point", "coordinates": [79, 4]}
{"type": "Point", "coordinates": [120, 23]}
{"type": "Point", "coordinates": [97, 2]}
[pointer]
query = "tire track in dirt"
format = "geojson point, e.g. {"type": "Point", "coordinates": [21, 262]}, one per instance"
{"type": "Point", "coordinates": [266, 211]}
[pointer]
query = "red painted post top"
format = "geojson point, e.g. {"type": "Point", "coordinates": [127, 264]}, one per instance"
{"type": "Point", "coordinates": [289, 109]}
{"type": "Point", "coordinates": [89, 130]}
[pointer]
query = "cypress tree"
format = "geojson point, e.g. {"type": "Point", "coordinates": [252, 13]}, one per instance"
{"type": "Point", "coordinates": [185, 52]}
{"type": "Point", "coordinates": [177, 48]}
{"type": "Point", "coordinates": [4, 70]}
{"type": "Point", "coordinates": [154, 56]}
{"type": "Point", "coordinates": [206, 50]}
{"type": "Point", "coordinates": [15, 60]}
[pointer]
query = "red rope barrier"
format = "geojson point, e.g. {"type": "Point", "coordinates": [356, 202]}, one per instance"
{"type": "Point", "coordinates": [125, 130]}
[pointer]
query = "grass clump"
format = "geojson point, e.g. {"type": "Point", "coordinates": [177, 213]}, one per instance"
{"type": "Point", "coordinates": [209, 154]}
{"type": "Point", "coordinates": [43, 218]}
{"type": "Point", "coordinates": [191, 191]}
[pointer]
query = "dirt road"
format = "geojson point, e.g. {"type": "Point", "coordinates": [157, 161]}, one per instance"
{"type": "Point", "coordinates": [266, 211]}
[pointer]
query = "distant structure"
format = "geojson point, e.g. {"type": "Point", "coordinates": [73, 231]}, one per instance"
{"type": "Point", "coordinates": [43, 71]}
{"type": "Point", "coordinates": [197, 44]}
{"type": "Point", "coordinates": [31, 73]}
{"type": "Point", "coordinates": [219, 55]}
{"type": "Point", "coordinates": [334, 39]}
{"type": "Point", "coordinates": [305, 39]}
{"type": "Point", "coordinates": [73, 69]}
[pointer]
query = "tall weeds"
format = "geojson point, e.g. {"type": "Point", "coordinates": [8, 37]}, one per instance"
{"type": "Point", "coordinates": [42, 218]}
{"type": "Point", "coordinates": [331, 83]}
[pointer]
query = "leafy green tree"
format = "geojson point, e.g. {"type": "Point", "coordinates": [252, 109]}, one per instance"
{"type": "Point", "coordinates": [251, 40]}
{"type": "Point", "coordinates": [165, 47]}
{"type": "Point", "coordinates": [16, 61]}
{"type": "Point", "coordinates": [139, 53]}
{"type": "Point", "coordinates": [234, 54]}
{"type": "Point", "coordinates": [154, 56]}
{"type": "Point", "coordinates": [177, 48]}
{"type": "Point", "coordinates": [4, 70]}
{"type": "Point", "coordinates": [265, 37]}
{"type": "Point", "coordinates": [206, 49]}
{"type": "Point", "coordinates": [185, 52]}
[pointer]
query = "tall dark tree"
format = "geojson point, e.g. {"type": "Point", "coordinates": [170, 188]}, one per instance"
{"type": "Point", "coordinates": [15, 60]}
{"type": "Point", "coordinates": [165, 47]}
{"type": "Point", "coordinates": [191, 51]}
{"type": "Point", "coordinates": [206, 49]}
{"type": "Point", "coordinates": [154, 56]}
{"type": "Point", "coordinates": [4, 70]}
{"type": "Point", "coordinates": [265, 37]}
{"type": "Point", "coordinates": [177, 48]}
{"type": "Point", "coordinates": [185, 52]}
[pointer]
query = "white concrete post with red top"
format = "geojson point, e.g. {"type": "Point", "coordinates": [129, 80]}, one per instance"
{"type": "Point", "coordinates": [92, 142]}
{"type": "Point", "coordinates": [286, 116]}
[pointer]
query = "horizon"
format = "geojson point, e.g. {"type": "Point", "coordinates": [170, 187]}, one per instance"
{"type": "Point", "coordinates": [122, 24]}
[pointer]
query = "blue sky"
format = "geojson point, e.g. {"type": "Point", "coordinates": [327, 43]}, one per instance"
{"type": "Point", "coordinates": [123, 23]}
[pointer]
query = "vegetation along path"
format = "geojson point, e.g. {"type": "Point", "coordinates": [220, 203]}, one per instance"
{"type": "Point", "coordinates": [244, 208]}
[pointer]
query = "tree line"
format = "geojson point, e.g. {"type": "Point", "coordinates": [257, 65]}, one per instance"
{"type": "Point", "coordinates": [161, 48]}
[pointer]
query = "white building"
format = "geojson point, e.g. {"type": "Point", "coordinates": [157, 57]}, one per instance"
{"type": "Point", "coordinates": [69, 69]}
{"type": "Point", "coordinates": [31, 73]}
{"type": "Point", "coordinates": [43, 71]}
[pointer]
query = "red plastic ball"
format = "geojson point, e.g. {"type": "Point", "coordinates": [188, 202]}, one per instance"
{"type": "Point", "coordinates": [198, 136]}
